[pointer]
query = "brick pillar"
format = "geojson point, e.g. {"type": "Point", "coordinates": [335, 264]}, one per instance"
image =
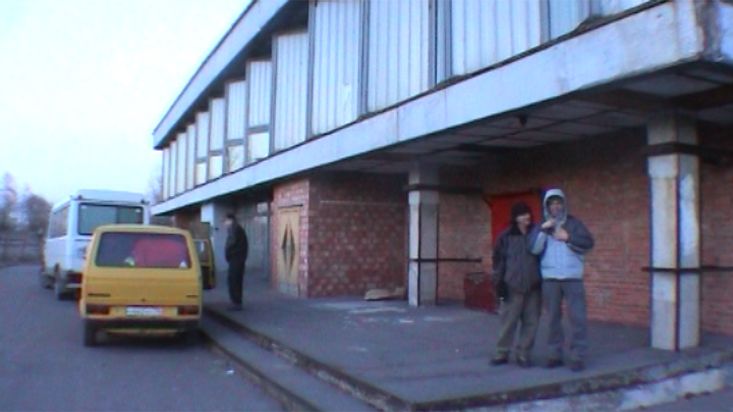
{"type": "Point", "coordinates": [675, 232]}
{"type": "Point", "coordinates": [423, 243]}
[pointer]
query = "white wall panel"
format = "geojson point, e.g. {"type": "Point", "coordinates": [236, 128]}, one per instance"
{"type": "Point", "coordinates": [336, 62]}
{"type": "Point", "coordinates": [258, 146]}
{"type": "Point", "coordinates": [608, 7]}
{"type": "Point", "coordinates": [236, 109]}
{"type": "Point", "coordinates": [181, 163]}
{"type": "Point", "coordinates": [166, 171]}
{"type": "Point", "coordinates": [259, 81]}
{"type": "Point", "coordinates": [399, 43]}
{"type": "Point", "coordinates": [200, 173]}
{"type": "Point", "coordinates": [216, 129]}
{"type": "Point", "coordinates": [202, 135]}
{"type": "Point", "coordinates": [484, 32]}
{"type": "Point", "coordinates": [190, 156]}
{"type": "Point", "coordinates": [291, 89]}
{"type": "Point", "coordinates": [566, 15]}
{"type": "Point", "coordinates": [174, 169]}
{"type": "Point", "coordinates": [216, 166]}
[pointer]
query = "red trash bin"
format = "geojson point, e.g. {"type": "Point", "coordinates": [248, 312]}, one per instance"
{"type": "Point", "coordinates": [479, 292]}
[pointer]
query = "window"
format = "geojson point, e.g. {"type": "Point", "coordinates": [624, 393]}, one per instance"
{"type": "Point", "coordinates": [57, 225]}
{"type": "Point", "coordinates": [91, 216]}
{"type": "Point", "coordinates": [143, 250]}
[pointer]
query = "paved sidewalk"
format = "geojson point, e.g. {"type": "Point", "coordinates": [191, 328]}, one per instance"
{"type": "Point", "coordinates": [434, 354]}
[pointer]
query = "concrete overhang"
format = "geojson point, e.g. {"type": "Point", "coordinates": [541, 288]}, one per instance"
{"type": "Point", "coordinates": [672, 55]}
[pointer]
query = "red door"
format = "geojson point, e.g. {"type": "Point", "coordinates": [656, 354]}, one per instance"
{"type": "Point", "coordinates": [480, 293]}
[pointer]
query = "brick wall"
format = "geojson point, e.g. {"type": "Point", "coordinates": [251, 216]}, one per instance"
{"type": "Point", "coordinates": [717, 241]}
{"type": "Point", "coordinates": [358, 236]}
{"type": "Point", "coordinates": [607, 187]}
{"type": "Point", "coordinates": [464, 230]}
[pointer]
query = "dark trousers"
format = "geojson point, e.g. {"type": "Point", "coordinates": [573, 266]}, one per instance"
{"type": "Point", "coordinates": [573, 292]}
{"type": "Point", "coordinates": [523, 310]}
{"type": "Point", "coordinates": [235, 279]}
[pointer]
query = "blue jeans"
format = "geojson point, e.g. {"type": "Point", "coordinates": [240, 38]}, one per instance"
{"type": "Point", "coordinates": [573, 291]}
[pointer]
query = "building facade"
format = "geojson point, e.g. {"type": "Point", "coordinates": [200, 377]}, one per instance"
{"type": "Point", "coordinates": [375, 144]}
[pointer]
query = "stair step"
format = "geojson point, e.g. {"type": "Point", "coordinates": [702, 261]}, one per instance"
{"type": "Point", "coordinates": [295, 388]}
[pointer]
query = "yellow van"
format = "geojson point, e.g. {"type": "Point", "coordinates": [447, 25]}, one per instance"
{"type": "Point", "coordinates": [138, 279]}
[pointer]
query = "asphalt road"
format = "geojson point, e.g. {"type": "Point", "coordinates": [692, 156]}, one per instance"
{"type": "Point", "coordinates": [45, 367]}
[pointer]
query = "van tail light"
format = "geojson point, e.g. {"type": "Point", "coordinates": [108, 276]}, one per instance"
{"type": "Point", "coordinates": [97, 309]}
{"type": "Point", "coordinates": [188, 310]}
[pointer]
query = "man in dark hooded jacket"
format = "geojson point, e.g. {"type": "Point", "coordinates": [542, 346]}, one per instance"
{"type": "Point", "coordinates": [562, 242]}
{"type": "Point", "coordinates": [236, 255]}
{"type": "Point", "coordinates": [516, 271]}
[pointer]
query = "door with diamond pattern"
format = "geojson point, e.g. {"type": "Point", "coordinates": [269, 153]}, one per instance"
{"type": "Point", "coordinates": [288, 249]}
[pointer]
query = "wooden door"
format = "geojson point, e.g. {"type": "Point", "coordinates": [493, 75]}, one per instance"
{"type": "Point", "coordinates": [288, 249]}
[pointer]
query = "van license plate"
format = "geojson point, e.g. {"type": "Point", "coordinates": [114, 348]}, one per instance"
{"type": "Point", "coordinates": [143, 311]}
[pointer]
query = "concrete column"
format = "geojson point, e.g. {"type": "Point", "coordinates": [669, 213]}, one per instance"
{"type": "Point", "coordinates": [423, 244]}
{"type": "Point", "coordinates": [214, 214]}
{"type": "Point", "coordinates": [675, 234]}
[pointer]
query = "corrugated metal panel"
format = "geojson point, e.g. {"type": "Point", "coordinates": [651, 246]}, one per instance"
{"type": "Point", "coordinates": [259, 81]}
{"type": "Point", "coordinates": [399, 42]}
{"type": "Point", "coordinates": [191, 156]}
{"type": "Point", "coordinates": [336, 63]}
{"type": "Point", "coordinates": [202, 135]}
{"type": "Point", "coordinates": [608, 7]}
{"type": "Point", "coordinates": [566, 15]}
{"type": "Point", "coordinates": [291, 90]}
{"type": "Point", "coordinates": [166, 171]}
{"type": "Point", "coordinates": [258, 146]}
{"type": "Point", "coordinates": [174, 169]}
{"type": "Point", "coordinates": [181, 164]}
{"type": "Point", "coordinates": [236, 95]}
{"type": "Point", "coordinates": [484, 32]}
{"type": "Point", "coordinates": [216, 131]}
{"type": "Point", "coordinates": [235, 157]}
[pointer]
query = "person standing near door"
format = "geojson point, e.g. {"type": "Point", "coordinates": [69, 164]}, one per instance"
{"type": "Point", "coordinates": [516, 271]}
{"type": "Point", "coordinates": [236, 250]}
{"type": "Point", "coordinates": [562, 242]}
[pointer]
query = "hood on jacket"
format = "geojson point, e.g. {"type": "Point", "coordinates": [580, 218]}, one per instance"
{"type": "Point", "coordinates": [545, 207]}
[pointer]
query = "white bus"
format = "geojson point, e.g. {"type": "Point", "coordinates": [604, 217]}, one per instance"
{"type": "Point", "coordinates": [70, 228]}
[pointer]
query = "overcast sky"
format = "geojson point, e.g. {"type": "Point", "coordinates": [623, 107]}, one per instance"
{"type": "Point", "coordinates": [83, 83]}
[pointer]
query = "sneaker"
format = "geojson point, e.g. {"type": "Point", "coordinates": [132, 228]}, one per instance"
{"type": "Point", "coordinates": [577, 365]}
{"type": "Point", "coordinates": [524, 361]}
{"type": "Point", "coordinates": [499, 360]}
{"type": "Point", "coordinates": [554, 363]}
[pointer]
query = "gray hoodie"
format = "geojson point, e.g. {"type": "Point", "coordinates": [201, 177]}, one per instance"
{"type": "Point", "coordinates": [558, 259]}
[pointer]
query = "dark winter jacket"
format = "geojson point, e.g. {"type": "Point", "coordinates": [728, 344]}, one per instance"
{"type": "Point", "coordinates": [561, 260]}
{"type": "Point", "coordinates": [237, 246]}
{"type": "Point", "coordinates": [513, 263]}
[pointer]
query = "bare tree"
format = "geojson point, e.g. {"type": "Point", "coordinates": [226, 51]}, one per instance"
{"type": "Point", "coordinates": [155, 189]}
{"type": "Point", "coordinates": [36, 210]}
{"type": "Point", "coordinates": [9, 198]}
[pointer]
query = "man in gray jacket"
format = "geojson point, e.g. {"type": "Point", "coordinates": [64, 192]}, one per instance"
{"type": "Point", "coordinates": [562, 242]}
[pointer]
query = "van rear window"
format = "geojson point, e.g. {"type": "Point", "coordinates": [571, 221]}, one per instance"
{"type": "Point", "coordinates": [92, 215]}
{"type": "Point", "coordinates": [143, 250]}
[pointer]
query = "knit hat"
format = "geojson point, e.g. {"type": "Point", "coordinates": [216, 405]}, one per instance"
{"type": "Point", "coordinates": [519, 209]}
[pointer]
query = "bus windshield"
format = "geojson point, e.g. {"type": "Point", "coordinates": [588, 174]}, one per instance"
{"type": "Point", "coordinates": [93, 215]}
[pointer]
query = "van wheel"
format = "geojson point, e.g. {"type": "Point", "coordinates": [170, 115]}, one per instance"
{"type": "Point", "coordinates": [58, 288]}
{"type": "Point", "coordinates": [90, 334]}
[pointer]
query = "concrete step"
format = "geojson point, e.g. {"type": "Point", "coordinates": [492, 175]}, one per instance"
{"type": "Point", "coordinates": [292, 386]}
{"type": "Point", "coordinates": [333, 377]}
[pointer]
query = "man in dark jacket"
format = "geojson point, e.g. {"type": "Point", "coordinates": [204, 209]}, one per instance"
{"type": "Point", "coordinates": [236, 256]}
{"type": "Point", "coordinates": [562, 242]}
{"type": "Point", "coordinates": [516, 272]}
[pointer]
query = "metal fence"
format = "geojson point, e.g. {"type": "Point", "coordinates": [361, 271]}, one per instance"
{"type": "Point", "coordinates": [20, 247]}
